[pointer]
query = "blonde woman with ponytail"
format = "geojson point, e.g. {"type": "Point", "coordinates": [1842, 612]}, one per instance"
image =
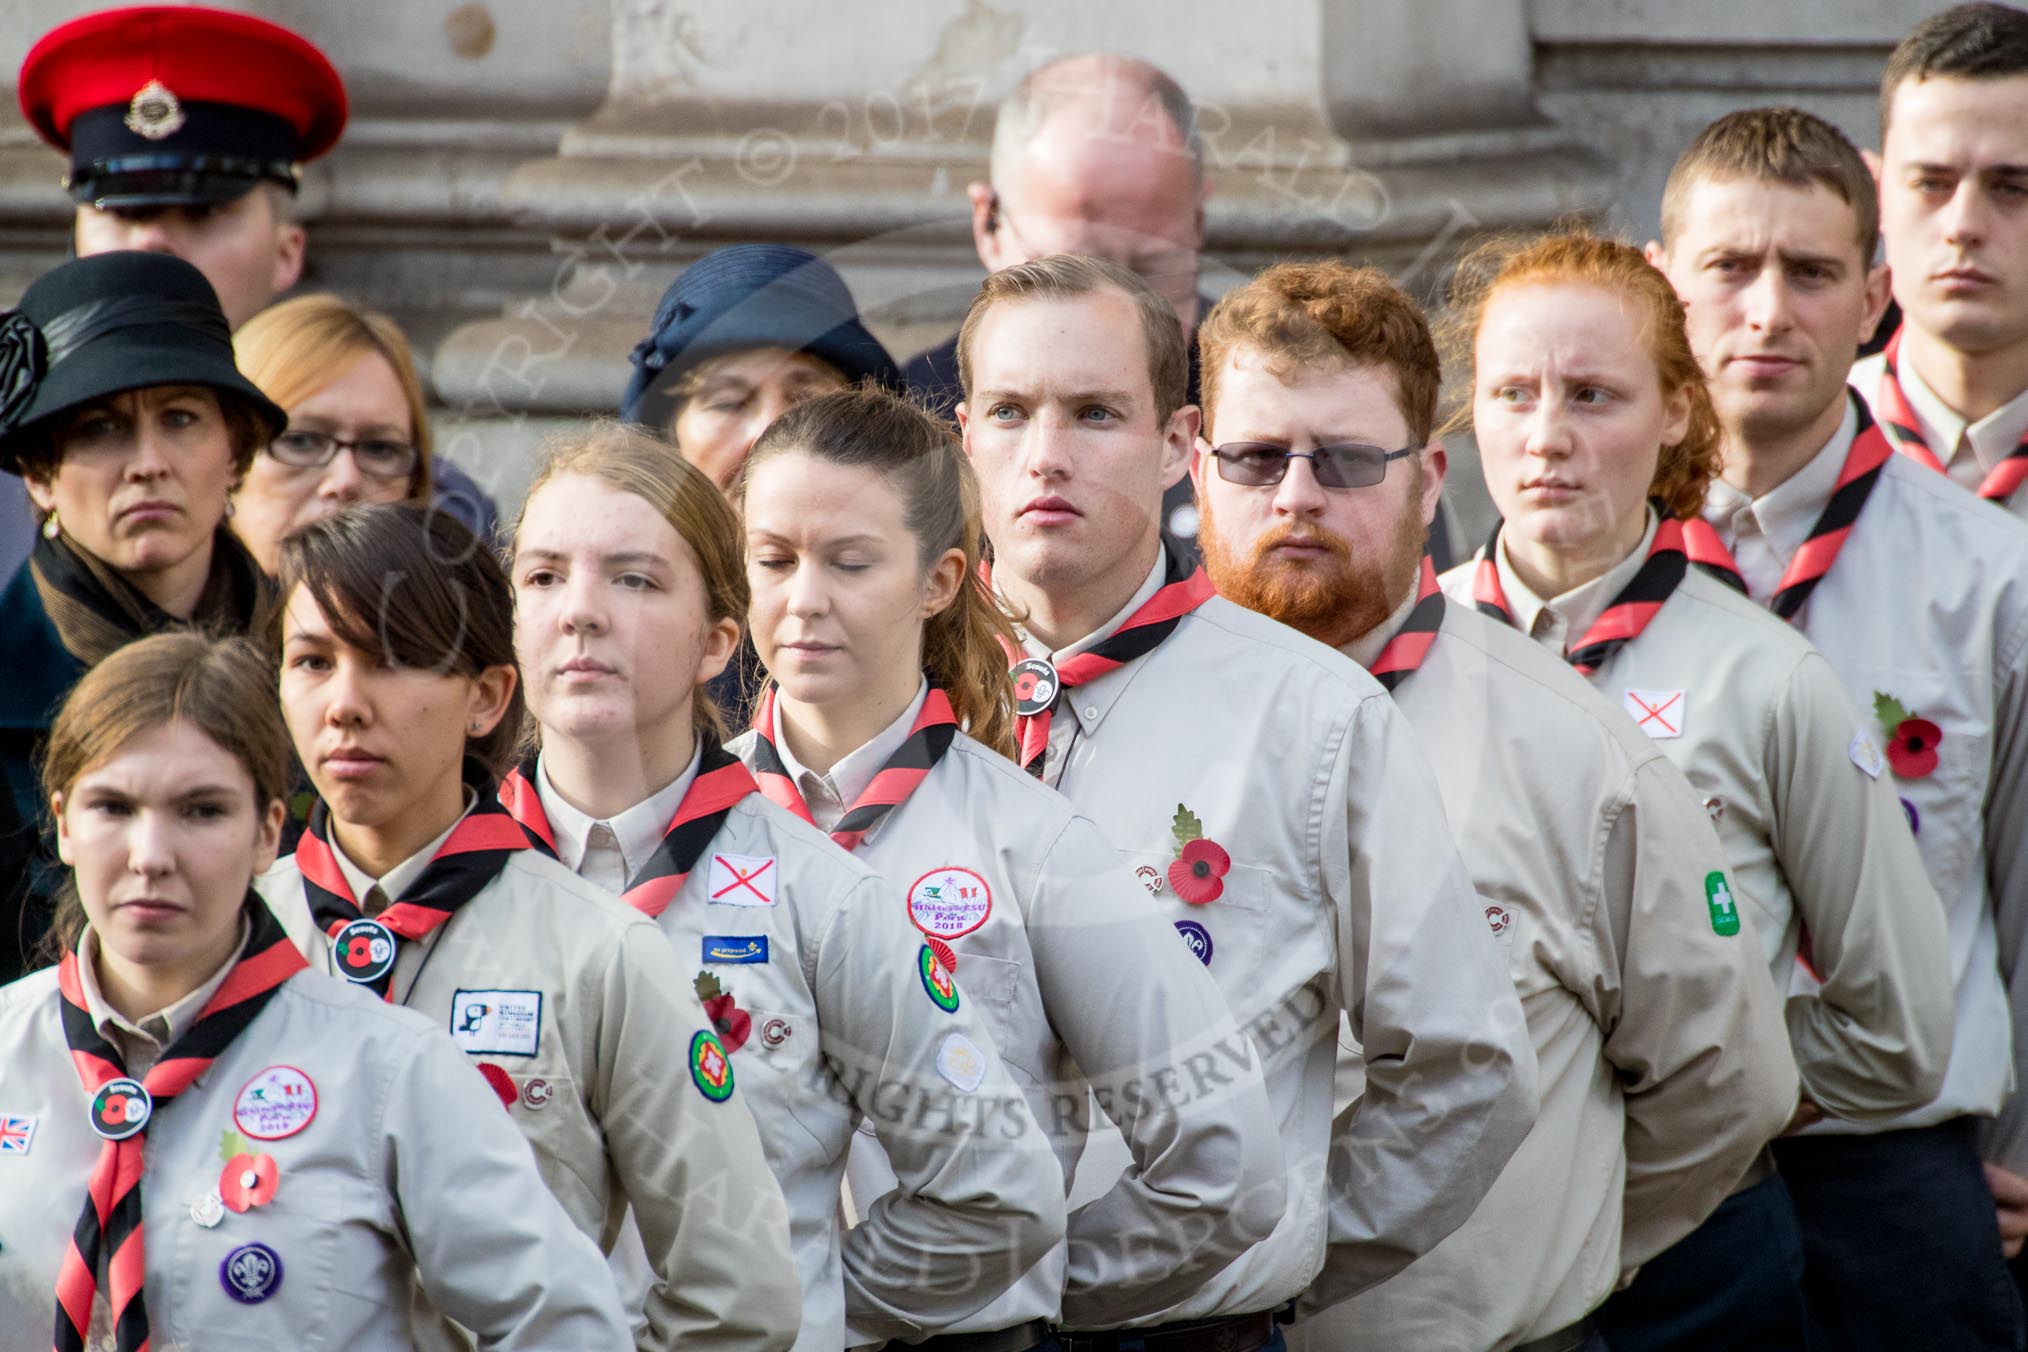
{"type": "Point", "coordinates": [888, 722]}
{"type": "Point", "coordinates": [828, 1009]}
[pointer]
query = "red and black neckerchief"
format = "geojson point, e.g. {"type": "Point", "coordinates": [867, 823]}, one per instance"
{"type": "Point", "coordinates": [109, 1227]}
{"type": "Point", "coordinates": [722, 780]}
{"type": "Point", "coordinates": [1039, 685]}
{"type": "Point", "coordinates": [1861, 470]}
{"type": "Point", "coordinates": [1624, 618]}
{"type": "Point", "coordinates": [365, 947]}
{"type": "Point", "coordinates": [929, 737]}
{"type": "Point", "coordinates": [1906, 429]}
{"type": "Point", "coordinates": [1403, 654]}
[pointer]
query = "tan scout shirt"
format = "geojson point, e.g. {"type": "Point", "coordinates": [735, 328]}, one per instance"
{"type": "Point", "coordinates": [575, 997]}
{"type": "Point", "coordinates": [1084, 987]}
{"type": "Point", "coordinates": [1343, 893]}
{"type": "Point", "coordinates": [1663, 1067]}
{"type": "Point", "coordinates": [1793, 777]}
{"type": "Point", "coordinates": [406, 1186]}
{"type": "Point", "coordinates": [1928, 603]}
{"type": "Point", "coordinates": [1968, 450]}
{"type": "Point", "coordinates": [842, 1023]}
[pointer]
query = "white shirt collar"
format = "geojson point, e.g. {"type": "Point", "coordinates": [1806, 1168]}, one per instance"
{"type": "Point", "coordinates": [1149, 586]}
{"type": "Point", "coordinates": [142, 1041]}
{"type": "Point", "coordinates": [829, 796]}
{"type": "Point", "coordinates": [397, 879]}
{"type": "Point", "coordinates": [638, 830]}
{"type": "Point", "coordinates": [1785, 514]}
{"type": "Point", "coordinates": [1991, 439]}
{"type": "Point", "coordinates": [1365, 650]}
{"type": "Point", "coordinates": [1561, 620]}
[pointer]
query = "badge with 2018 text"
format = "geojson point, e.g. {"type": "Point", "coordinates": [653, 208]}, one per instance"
{"type": "Point", "coordinates": [949, 902]}
{"type": "Point", "coordinates": [277, 1103]}
{"type": "Point", "coordinates": [497, 1023]}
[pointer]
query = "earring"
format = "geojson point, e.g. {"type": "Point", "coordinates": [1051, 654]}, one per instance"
{"type": "Point", "coordinates": [229, 509]}
{"type": "Point", "coordinates": [473, 729]}
{"type": "Point", "coordinates": [51, 527]}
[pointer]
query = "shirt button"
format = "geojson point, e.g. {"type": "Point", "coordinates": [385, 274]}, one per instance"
{"type": "Point", "coordinates": [601, 837]}
{"type": "Point", "coordinates": [1091, 711]}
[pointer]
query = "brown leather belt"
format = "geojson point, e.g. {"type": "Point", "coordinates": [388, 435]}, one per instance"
{"type": "Point", "coordinates": [1238, 1333]}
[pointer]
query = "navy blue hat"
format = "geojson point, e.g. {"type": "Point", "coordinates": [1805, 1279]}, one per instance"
{"type": "Point", "coordinates": [744, 297]}
{"type": "Point", "coordinates": [107, 324]}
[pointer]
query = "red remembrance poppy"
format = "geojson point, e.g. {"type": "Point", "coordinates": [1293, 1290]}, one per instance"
{"type": "Point", "coordinates": [248, 1181]}
{"type": "Point", "coordinates": [1195, 874]}
{"type": "Point", "coordinates": [1911, 752]}
{"type": "Point", "coordinates": [731, 1023]}
{"type": "Point", "coordinates": [501, 1081]}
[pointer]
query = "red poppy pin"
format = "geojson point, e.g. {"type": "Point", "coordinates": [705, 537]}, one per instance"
{"type": "Point", "coordinates": [249, 1178]}
{"type": "Point", "coordinates": [728, 1020]}
{"type": "Point", "coordinates": [1911, 741]}
{"type": "Point", "coordinates": [1200, 864]}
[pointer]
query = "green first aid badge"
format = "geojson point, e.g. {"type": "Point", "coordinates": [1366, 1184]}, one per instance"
{"type": "Point", "coordinates": [1724, 910]}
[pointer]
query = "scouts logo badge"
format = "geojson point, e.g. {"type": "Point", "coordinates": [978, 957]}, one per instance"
{"type": "Point", "coordinates": [16, 1135]}
{"type": "Point", "coordinates": [1200, 864]}
{"type": "Point", "coordinates": [1724, 910]}
{"type": "Point", "coordinates": [949, 902]}
{"type": "Point", "coordinates": [154, 112]}
{"type": "Point", "coordinates": [960, 1061]}
{"type": "Point", "coordinates": [710, 1068]}
{"type": "Point", "coordinates": [1498, 920]}
{"type": "Point", "coordinates": [1035, 686]}
{"type": "Point", "coordinates": [732, 1023]}
{"type": "Point", "coordinates": [277, 1103]}
{"type": "Point", "coordinates": [121, 1109]}
{"type": "Point", "coordinates": [936, 982]}
{"type": "Point", "coordinates": [249, 1178]}
{"type": "Point", "coordinates": [743, 880]}
{"type": "Point", "coordinates": [1659, 713]}
{"type": "Point", "coordinates": [1911, 741]}
{"type": "Point", "coordinates": [251, 1273]}
{"type": "Point", "coordinates": [1914, 817]}
{"type": "Point", "coordinates": [365, 951]}
{"type": "Point", "coordinates": [1197, 939]}
{"type": "Point", "coordinates": [536, 1094]}
{"type": "Point", "coordinates": [775, 1032]}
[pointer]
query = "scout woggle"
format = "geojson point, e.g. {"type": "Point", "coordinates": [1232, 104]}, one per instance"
{"type": "Point", "coordinates": [365, 951]}
{"type": "Point", "coordinates": [121, 1109]}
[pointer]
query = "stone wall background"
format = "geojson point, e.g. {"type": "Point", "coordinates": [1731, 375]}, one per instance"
{"type": "Point", "coordinates": [522, 178]}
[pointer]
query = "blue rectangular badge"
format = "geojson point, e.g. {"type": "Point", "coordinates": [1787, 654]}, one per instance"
{"type": "Point", "coordinates": [735, 948]}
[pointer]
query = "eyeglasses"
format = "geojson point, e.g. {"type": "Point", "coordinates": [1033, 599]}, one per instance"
{"type": "Point", "coordinates": [1343, 464]}
{"type": "Point", "coordinates": [376, 457]}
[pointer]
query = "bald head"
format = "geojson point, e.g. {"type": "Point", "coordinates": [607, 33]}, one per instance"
{"type": "Point", "coordinates": [1097, 154]}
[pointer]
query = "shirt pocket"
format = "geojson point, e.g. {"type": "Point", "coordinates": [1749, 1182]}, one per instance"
{"type": "Point", "coordinates": [998, 987]}
{"type": "Point", "coordinates": [1945, 806]}
{"type": "Point", "coordinates": [1227, 933]}
{"type": "Point", "coordinates": [270, 1276]}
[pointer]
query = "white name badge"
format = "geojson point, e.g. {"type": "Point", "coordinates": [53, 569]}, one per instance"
{"type": "Point", "coordinates": [497, 1023]}
{"type": "Point", "coordinates": [1659, 713]}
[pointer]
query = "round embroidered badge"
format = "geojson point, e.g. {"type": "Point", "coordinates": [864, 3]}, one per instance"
{"type": "Point", "coordinates": [949, 902]}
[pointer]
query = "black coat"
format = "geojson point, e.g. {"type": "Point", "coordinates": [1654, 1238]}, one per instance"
{"type": "Point", "coordinates": [39, 673]}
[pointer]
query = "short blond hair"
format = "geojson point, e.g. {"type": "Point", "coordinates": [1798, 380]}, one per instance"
{"type": "Point", "coordinates": [293, 349]}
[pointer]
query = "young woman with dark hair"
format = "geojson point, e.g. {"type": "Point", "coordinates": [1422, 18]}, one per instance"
{"type": "Point", "coordinates": [400, 691]}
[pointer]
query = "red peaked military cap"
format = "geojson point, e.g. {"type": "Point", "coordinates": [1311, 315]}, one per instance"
{"type": "Point", "coordinates": [166, 104]}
